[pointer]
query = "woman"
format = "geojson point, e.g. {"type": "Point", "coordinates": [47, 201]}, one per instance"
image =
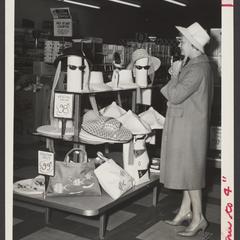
{"type": "Point", "coordinates": [185, 135]}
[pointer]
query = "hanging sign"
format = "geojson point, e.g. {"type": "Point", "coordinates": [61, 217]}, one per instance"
{"type": "Point", "coordinates": [63, 105]}
{"type": "Point", "coordinates": [46, 164]}
{"type": "Point", "coordinates": [62, 22]}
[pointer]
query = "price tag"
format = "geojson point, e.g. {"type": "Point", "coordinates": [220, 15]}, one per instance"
{"type": "Point", "coordinates": [63, 105]}
{"type": "Point", "coordinates": [46, 164]}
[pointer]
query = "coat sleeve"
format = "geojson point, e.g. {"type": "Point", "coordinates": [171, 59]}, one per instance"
{"type": "Point", "coordinates": [178, 91]}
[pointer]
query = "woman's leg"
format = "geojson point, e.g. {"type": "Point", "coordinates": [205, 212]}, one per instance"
{"type": "Point", "coordinates": [198, 221]}
{"type": "Point", "coordinates": [184, 212]}
{"type": "Point", "coordinates": [185, 207]}
{"type": "Point", "coordinates": [196, 200]}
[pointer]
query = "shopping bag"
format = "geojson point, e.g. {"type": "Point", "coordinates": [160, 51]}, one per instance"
{"type": "Point", "coordinates": [114, 180]}
{"type": "Point", "coordinates": [74, 177]}
{"type": "Point", "coordinates": [136, 160]}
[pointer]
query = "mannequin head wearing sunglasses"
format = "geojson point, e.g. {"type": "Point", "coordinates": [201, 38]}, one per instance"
{"type": "Point", "coordinates": [143, 66]}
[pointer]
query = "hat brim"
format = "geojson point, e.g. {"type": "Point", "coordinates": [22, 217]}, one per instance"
{"type": "Point", "coordinates": [100, 87]}
{"type": "Point", "coordinates": [154, 63]}
{"type": "Point", "coordinates": [184, 31]}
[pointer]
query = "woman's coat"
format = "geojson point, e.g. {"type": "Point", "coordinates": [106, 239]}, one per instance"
{"type": "Point", "coordinates": [185, 134]}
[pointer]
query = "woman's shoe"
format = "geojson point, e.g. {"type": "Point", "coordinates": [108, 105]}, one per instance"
{"type": "Point", "coordinates": [186, 217]}
{"type": "Point", "coordinates": [200, 227]}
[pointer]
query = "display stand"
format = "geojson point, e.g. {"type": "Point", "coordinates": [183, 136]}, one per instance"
{"type": "Point", "coordinates": [90, 206]}
{"type": "Point", "coordinates": [93, 205]}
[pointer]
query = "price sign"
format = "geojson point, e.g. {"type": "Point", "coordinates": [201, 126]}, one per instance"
{"type": "Point", "coordinates": [63, 105]}
{"type": "Point", "coordinates": [46, 164]}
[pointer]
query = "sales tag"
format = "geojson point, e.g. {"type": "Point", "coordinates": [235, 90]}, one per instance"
{"type": "Point", "coordinates": [63, 105]}
{"type": "Point", "coordinates": [46, 164]}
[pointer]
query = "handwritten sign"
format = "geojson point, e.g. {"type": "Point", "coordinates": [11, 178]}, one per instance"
{"type": "Point", "coordinates": [63, 105]}
{"type": "Point", "coordinates": [228, 208]}
{"type": "Point", "coordinates": [62, 28]}
{"type": "Point", "coordinates": [62, 22]}
{"type": "Point", "coordinates": [46, 163]}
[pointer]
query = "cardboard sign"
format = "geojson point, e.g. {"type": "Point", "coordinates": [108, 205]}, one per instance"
{"type": "Point", "coordinates": [62, 27]}
{"type": "Point", "coordinates": [46, 164]}
{"type": "Point", "coordinates": [63, 105]}
{"type": "Point", "coordinates": [62, 22]}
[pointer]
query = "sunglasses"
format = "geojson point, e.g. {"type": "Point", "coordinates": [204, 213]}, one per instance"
{"type": "Point", "coordinates": [72, 67]}
{"type": "Point", "coordinates": [142, 67]}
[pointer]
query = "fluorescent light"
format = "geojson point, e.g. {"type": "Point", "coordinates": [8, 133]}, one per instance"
{"type": "Point", "coordinates": [126, 3]}
{"type": "Point", "coordinates": [81, 4]}
{"type": "Point", "coordinates": [177, 3]}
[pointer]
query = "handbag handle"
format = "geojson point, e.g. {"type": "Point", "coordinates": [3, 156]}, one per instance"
{"type": "Point", "coordinates": [85, 159]}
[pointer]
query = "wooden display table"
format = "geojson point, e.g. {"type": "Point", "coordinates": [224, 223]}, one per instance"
{"type": "Point", "coordinates": [92, 205]}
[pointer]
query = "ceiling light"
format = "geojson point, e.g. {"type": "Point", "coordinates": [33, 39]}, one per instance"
{"type": "Point", "coordinates": [126, 3]}
{"type": "Point", "coordinates": [81, 4]}
{"type": "Point", "coordinates": [177, 3]}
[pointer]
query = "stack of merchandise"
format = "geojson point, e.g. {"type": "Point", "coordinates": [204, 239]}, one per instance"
{"type": "Point", "coordinates": [52, 49]}
{"type": "Point", "coordinates": [155, 165]}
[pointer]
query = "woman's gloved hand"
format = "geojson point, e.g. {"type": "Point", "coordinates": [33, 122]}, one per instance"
{"type": "Point", "coordinates": [175, 69]}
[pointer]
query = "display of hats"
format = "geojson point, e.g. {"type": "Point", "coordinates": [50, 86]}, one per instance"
{"type": "Point", "coordinates": [107, 128]}
{"type": "Point", "coordinates": [91, 139]}
{"type": "Point", "coordinates": [153, 118]}
{"type": "Point", "coordinates": [153, 62]}
{"type": "Point", "coordinates": [113, 110]}
{"type": "Point", "coordinates": [125, 80]}
{"type": "Point", "coordinates": [96, 82]}
{"type": "Point", "coordinates": [133, 122]}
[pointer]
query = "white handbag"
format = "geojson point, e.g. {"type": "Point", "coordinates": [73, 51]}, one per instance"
{"type": "Point", "coordinates": [113, 179]}
{"type": "Point", "coordinates": [136, 160]}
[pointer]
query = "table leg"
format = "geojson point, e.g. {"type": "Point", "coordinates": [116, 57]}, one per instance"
{"type": "Point", "coordinates": [134, 95]}
{"type": "Point", "coordinates": [155, 196]}
{"type": "Point", "coordinates": [102, 226]}
{"type": "Point", "coordinates": [47, 215]}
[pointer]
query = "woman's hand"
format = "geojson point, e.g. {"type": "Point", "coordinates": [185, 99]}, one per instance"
{"type": "Point", "coordinates": [174, 70]}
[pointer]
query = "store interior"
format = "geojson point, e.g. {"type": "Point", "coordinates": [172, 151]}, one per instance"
{"type": "Point", "coordinates": [113, 24]}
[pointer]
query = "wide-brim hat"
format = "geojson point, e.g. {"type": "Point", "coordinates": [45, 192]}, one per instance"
{"type": "Point", "coordinates": [96, 82]}
{"type": "Point", "coordinates": [53, 131]}
{"type": "Point", "coordinates": [153, 118]}
{"type": "Point", "coordinates": [125, 80]}
{"type": "Point", "coordinates": [133, 122]}
{"type": "Point", "coordinates": [91, 139]}
{"type": "Point", "coordinates": [107, 128]}
{"type": "Point", "coordinates": [153, 62]}
{"type": "Point", "coordinates": [196, 35]}
{"type": "Point", "coordinates": [113, 110]}
{"type": "Point", "coordinates": [71, 51]}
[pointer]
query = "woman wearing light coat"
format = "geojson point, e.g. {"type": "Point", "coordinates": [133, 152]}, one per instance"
{"type": "Point", "coordinates": [185, 135]}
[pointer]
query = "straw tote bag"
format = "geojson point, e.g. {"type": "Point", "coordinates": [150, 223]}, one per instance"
{"type": "Point", "coordinates": [73, 178]}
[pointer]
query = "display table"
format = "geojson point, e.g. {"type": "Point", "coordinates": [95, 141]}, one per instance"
{"type": "Point", "coordinates": [92, 205]}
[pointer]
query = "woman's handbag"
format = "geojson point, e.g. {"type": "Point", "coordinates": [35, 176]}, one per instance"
{"type": "Point", "coordinates": [74, 177]}
{"type": "Point", "coordinates": [114, 180]}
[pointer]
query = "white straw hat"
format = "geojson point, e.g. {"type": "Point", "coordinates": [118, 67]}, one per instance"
{"type": "Point", "coordinates": [96, 82]}
{"type": "Point", "coordinates": [113, 110]}
{"type": "Point", "coordinates": [125, 80]}
{"type": "Point", "coordinates": [132, 122]}
{"type": "Point", "coordinates": [153, 118]}
{"type": "Point", "coordinates": [196, 35]}
{"type": "Point", "coordinates": [153, 62]}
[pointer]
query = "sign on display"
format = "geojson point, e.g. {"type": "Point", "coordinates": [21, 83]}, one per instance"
{"type": "Point", "coordinates": [63, 105]}
{"type": "Point", "coordinates": [46, 164]}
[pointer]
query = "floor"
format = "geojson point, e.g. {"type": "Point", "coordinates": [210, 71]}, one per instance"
{"type": "Point", "coordinates": [137, 220]}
